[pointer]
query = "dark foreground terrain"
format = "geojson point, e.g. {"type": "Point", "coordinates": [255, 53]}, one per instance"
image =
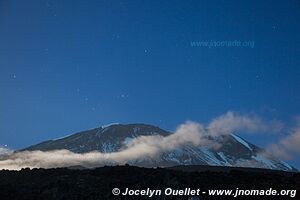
{"type": "Point", "coordinates": [70, 184]}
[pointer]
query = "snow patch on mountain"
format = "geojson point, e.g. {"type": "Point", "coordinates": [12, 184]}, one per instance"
{"type": "Point", "coordinates": [265, 162]}
{"type": "Point", "coordinates": [240, 140]}
{"type": "Point", "coordinates": [108, 125]}
{"type": "Point", "coordinates": [210, 157]}
{"type": "Point", "coordinates": [224, 158]}
{"type": "Point", "coordinates": [127, 140]}
{"type": "Point", "coordinates": [286, 165]}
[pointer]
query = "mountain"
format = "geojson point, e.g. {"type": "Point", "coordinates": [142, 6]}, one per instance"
{"type": "Point", "coordinates": [233, 152]}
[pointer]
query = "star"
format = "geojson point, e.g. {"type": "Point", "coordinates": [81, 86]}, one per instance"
{"type": "Point", "coordinates": [259, 77]}
{"type": "Point", "coordinates": [14, 76]}
{"type": "Point", "coordinates": [124, 95]}
{"type": "Point", "coordinates": [115, 37]}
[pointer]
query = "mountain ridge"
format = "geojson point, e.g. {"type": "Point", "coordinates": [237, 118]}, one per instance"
{"type": "Point", "coordinates": [234, 151]}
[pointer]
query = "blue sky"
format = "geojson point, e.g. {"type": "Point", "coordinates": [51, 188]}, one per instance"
{"type": "Point", "coordinates": [67, 66]}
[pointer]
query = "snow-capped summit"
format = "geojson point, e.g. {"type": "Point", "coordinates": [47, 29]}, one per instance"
{"type": "Point", "coordinates": [234, 151]}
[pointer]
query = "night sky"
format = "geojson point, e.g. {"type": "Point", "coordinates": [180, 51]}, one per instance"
{"type": "Point", "coordinates": [67, 66]}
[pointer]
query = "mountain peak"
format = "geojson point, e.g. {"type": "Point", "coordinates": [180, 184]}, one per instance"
{"type": "Point", "coordinates": [234, 151]}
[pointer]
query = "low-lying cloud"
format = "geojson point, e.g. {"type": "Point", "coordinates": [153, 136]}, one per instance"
{"type": "Point", "coordinates": [189, 133]}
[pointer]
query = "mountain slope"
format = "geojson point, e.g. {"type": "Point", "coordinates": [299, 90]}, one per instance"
{"type": "Point", "coordinates": [234, 150]}
{"type": "Point", "coordinates": [105, 139]}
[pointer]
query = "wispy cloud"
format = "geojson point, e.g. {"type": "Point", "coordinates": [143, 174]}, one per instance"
{"type": "Point", "coordinates": [288, 146]}
{"type": "Point", "coordinates": [234, 122]}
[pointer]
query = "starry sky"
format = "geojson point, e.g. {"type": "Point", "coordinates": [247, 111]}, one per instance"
{"type": "Point", "coordinates": [67, 66]}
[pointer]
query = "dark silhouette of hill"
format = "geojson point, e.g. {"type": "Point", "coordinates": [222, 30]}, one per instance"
{"type": "Point", "coordinates": [73, 184]}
